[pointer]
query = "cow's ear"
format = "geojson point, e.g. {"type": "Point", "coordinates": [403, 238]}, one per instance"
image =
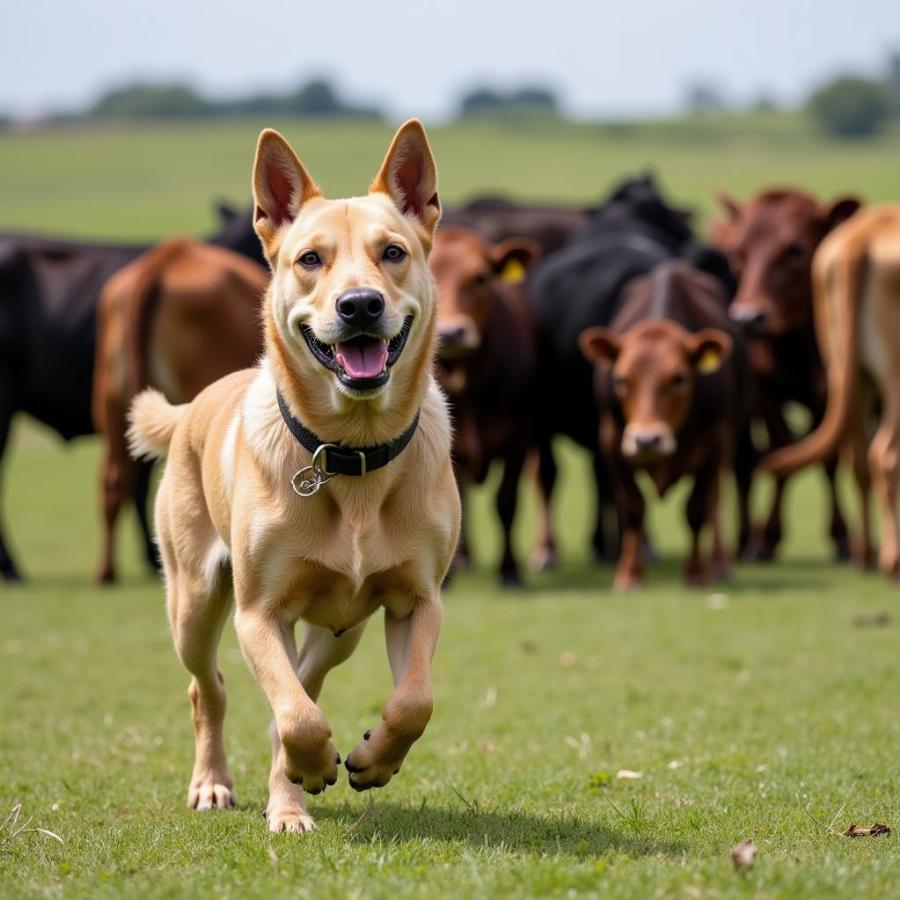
{"type": "Point", "coordinates": [840, 210]}
{"type": "Point", "coordinates": [732, 208]}
{"type": "Point", "coordinates": [708, 349]}
{"type": "Point", "coordinates": [600, 346]}
{"type": "Point", "coordinates": [281, 185]}
{"type": "Point", "coordinates": [408, 176]}
{"type": "Point", "coordinates": [512, 258]}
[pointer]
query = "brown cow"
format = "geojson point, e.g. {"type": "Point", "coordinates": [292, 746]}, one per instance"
{"type": "Point", "coordinates": [668, 385]}
{"type": "Point", "coordinates": [771, 241]}
{"type": "Point", "coordinates": [179, 317]}
{"type": "Point", "coordinates": [856, 276]}
{"type": "Point", "coordinates": [487, 364]}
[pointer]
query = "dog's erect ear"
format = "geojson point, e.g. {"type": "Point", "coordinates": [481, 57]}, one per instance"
{"type": "Point", "coordinates": [512, 258]}
{"type": "Point", "coordinates": [409, 177]}
{"type": "Point", "coordinates": [600, 346]}
{"type": "Point", "coordinates": [281, 185]}
{"type": "Point", "coordinates": [708, 349]}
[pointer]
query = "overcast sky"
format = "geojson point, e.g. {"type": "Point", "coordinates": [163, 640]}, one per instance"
{"type": "Point", "coordinates": [627, 57]}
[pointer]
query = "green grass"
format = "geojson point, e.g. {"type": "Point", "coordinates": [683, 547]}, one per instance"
{"type": "Point", "coordinates": [146, 181]}
{"type": "Point", "coordinates": [772, 702]}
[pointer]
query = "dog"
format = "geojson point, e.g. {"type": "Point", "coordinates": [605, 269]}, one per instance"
{"type": "Point", "coordinates": [318, 485]}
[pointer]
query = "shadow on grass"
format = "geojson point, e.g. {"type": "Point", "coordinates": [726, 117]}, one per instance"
{"type": "Point", "coordinates": [512, 831]}
{"type": "Point", "coordinates": [801, 576]}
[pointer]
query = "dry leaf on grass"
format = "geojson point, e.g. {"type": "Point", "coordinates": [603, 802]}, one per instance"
{"type": "Point", "coordinates": [743, 856]}
{"type": "Point", "coordinates": [873, 620]}
{"type": "Point", "coordinates": [871, 831]}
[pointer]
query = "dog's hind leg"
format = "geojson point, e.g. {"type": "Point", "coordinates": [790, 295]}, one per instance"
{"type": "Point", "coordinates": [320, 652]}
{"type": "Point", "coordinates": [198, 606]}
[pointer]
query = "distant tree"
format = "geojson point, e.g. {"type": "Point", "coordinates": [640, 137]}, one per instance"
{"type": "Point", "coordinates": [850, 106]}
{"type": "Point", "coordinates": [893, 82]}
{"type": "Point", "coordinates": [704, 97]}
{"type": "Point", "coordinates": [764, 102]}
{"type": "Point", "coordinates": [528, 100]}
{"type": "Point", "coordinates": [139, 101]}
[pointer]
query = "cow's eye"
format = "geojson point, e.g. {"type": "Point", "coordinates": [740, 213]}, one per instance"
{"type": "Point", "coordinates": [393, 253]}
{"type": "Point", "coordinates": [679, 380]}
{"type": "Point", "coordinates": [795, 250]}
{"type": "Point", "coordinates": [309, 259]}
{"type": "Point", "coordinates": [480, 280]}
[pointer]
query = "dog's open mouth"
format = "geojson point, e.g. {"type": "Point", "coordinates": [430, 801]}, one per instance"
{"type": "Point", "coordinates": [362, 362]}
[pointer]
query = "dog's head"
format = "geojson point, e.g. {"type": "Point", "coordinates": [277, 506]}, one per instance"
{"type": "Point", "coordinates": [351, 301]}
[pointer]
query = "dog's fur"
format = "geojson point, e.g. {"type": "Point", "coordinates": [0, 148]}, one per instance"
{"type": "Point", "coordinates": [226, 512]}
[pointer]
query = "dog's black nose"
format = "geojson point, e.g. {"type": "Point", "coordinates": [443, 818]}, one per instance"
{"type": "Point", "coordinates": [360, 307]}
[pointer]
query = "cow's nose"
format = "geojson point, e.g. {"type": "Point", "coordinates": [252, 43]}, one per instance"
{"type": "Point", "coordinates": [751, 317]}
{"type": "Point", "coordinates": [361, 307]}
{"type": "Point", "coordinates": [451, 335]}
{"type": "Point", "coordinates": [648, 440]}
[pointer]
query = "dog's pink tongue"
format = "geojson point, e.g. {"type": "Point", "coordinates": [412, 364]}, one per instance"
{"type": "Point", "coordinates": [362, 359]}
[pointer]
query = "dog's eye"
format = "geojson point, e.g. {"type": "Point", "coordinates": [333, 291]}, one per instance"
{"type": "Point", "coordinates": [310, 259]}
{"type": "Point", "coordinates": [393, 253]}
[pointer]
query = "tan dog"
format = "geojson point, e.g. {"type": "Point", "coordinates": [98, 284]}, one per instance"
{"type": "Point", "coordinates": [350, 339]}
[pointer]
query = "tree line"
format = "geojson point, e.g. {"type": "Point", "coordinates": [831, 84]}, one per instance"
{"type": "Point", "coordinates": [844, 106]}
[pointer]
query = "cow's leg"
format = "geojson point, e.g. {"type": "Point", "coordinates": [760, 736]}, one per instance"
{"type": "Point", "coordinates": [764, 544]}
{"type": "Point", "coordinates": [8, 569]}
{"type": "Point", "coordinates": [320, 652]}
{"type": "Point", "coordinates": [116, 485]}
{"type": "Point", "coordinates": [143, 472]}
{"type": "Point", "coordinates": [701, 511]}
{"type": "Point", "coordinates": [838, 528]}
{"type": "Point", "coordinates": [507, 500]}
{"type": "Point", "coordinates": [721, 560]}
{"type": "Point", "coordinates": [884, 462]}
{"type": "Point", "coordinates": [745, 460]}
{"type": "Point", "coordinates": [543, 557]}
{"type": "Point", "coordinates": [857, 451]}
{"type": "Point", "coordinates": [630, 507]}
{"type": "Point", "coordinates": [604, 543]}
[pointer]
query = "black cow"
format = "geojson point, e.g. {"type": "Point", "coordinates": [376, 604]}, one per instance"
{"type": "Point", "coordinates": [581, 286]}
{"type": "Point", "coordinates": [49, 289]}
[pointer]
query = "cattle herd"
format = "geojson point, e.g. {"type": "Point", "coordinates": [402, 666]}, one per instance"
{"type": "Point", "coordinates": [613, 325]}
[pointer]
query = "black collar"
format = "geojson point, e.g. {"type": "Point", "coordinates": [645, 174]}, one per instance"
{"type": "Point", "coordinates": [336, 459]}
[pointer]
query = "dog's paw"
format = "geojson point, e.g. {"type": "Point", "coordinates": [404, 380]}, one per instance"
{"type": "Point", "coordinates": [314, 768]}
{"type": "Point", "coordinates": [289, 820]}
{"type": "Point", "coordinates": [375, 760]}
{"type": "Point", "coordinates": [208, 794]}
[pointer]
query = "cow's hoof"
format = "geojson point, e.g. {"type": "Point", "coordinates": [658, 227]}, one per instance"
{"type": "Point", "coordinates": [511, 578]}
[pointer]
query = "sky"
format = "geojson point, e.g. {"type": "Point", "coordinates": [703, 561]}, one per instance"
{"type": "Point", "coordinates": [627, 58]}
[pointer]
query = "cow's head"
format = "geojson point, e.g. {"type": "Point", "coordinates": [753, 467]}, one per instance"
{"type": "Point", "coordinates": [653, 367]}
{"type": "Point", "coordinates": [771, 241]}
{"type": "Point", "coordinates": [467, 271]}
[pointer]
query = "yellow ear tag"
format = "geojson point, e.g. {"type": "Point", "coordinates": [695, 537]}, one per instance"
{"type": "Point", "coordinates": [709, 362]}
{"type": "Point", "coordinates": [513, 272]}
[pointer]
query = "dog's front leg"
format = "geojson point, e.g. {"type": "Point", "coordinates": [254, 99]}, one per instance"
{"type": "Point", "coordinates": [310, 757]}
{"type": "Point", "coordinates": [410, 640]}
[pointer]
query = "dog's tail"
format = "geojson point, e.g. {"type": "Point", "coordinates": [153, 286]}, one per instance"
{"type": "Point", "coordinates": [152, 423]}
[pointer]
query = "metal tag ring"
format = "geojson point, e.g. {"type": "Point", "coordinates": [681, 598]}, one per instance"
{"type": "Point", "coordinates": [307, 481]}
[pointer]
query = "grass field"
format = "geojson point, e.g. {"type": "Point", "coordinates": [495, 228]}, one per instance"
{"type": "Point", "coordinates": [765, 709]}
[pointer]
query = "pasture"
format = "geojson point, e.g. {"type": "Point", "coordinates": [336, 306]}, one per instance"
{"type": "Point", "coordinates": [764, 708]}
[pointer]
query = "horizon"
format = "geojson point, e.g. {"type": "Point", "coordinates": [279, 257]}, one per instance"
{"type": "Point", "coordinates": [45, 70]}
